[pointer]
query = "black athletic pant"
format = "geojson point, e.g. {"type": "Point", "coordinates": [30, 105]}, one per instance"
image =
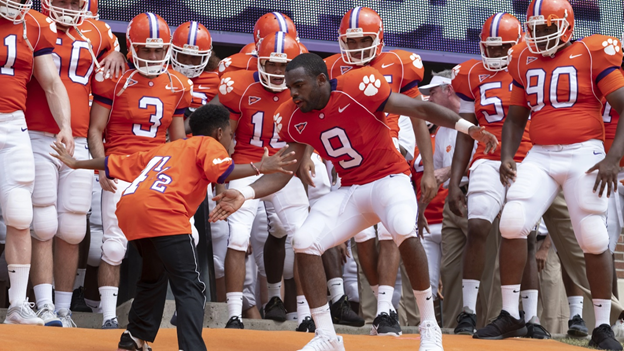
{"type": "Point", "coordinates": [169, 258]}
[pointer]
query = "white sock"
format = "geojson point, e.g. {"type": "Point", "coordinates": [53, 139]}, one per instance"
{"type": "Point", "coordinates": [94, 305]}
{"type": "Point", "coordinates": [108, 298]}
{"type": "Point", "coordinates": [43, 294]}
{"type": "Point", "coordinates": [511, 295]}
{"type": "Point", "coordinates": [375, 289]}
{"type": "Point", "coordinates": [384, 299]}
{"type": "Point", "coordinates": [529, 304]}
{"type": "Point", "coordinates": [80, 276]}
{"type": "Point", "coordinates": [323, 320]}
{"type": "Point", "coordinates": [234, 304]}
{"type": "Point", "coordinates": [62, 300]}
{"type": "Point", "coordinates": [274, 290]}
{"type": "Point", "coordinates": [424, 300]}
{"type": "Point", "coordinates": [291, 316]}
{"type": "Point", "coordinates": [303, 309]}
{"type": "Point", "coordinates": [470, 291]}
{"type": "Point", "coordinates": [602, 310]}
{"type": "Point", "coordinates": [18, 278]}
{"type": "Point", "coordinates": [576, 306]}
{"type": "Point", "coordinates": [336, 289]}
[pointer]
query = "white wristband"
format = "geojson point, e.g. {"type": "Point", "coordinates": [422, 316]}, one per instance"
{"type": "Point", "coordinates": [248, 192]}
{"type": "Point", "coordinates": [462, 126]}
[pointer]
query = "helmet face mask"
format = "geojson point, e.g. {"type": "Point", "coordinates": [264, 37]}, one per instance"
{"type": "Point", "coordinates": [14, 11]}
{"type": "Point", "coordinates": [65, 16]}
{"type": "Point", "coordinates": [191, 49]}
{"type": "Point", "coordinates": [356, 27]}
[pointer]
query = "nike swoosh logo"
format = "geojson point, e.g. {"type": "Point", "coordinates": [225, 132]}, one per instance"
{"type": "Point", "coordinates": [86, 30]}
{"type": "Point", "coordinates": [168, 87]}
{"type": "Point", "coordinates": [301, 303]}
{"type": "Point", "coordinates": [383, 293]}
{"type": "Point", "coordinates": [525, 297]}
{"type": "Point", "coordinates": [335, 284]}
{"type": "Point", "coordinates": [429, 298]}
{"type": "Point", "coordinates": [340, 109]}
{"type": "Point", "coordinates": [12, 271]}
{"type": "Point", "coordinates": [597, 152]}
{"type": "Point", "coordinates": [87, 147]}
{"type": "Point", "coordinates": [598, 305]}
{"type": "Point", "coordinates": [575, 56]}
{"type": "Point", "coordinates": [516, 291]}
{"type": "Point", "coordinates": [24, 129]}
{"type": "Point", "coordinates": [386, 66]}
{"type": "Point", "coordinates": [201, 87]}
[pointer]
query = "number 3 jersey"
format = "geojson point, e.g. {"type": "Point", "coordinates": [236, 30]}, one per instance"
{"type": "Point", "coordinates": [253, 107]}
{"type": "Point", "coordinates": [487, 94]}
{"type": "Point", "coordinates": [142, 108]}
{"type": "Point", "coordinates": [76, 67]}
{"type": "Point", "coordinates": [564, 92]}
{"type": "Point", "coordinates": [168, 184]}
{"type": "Point", "coordinates": [351, 130]}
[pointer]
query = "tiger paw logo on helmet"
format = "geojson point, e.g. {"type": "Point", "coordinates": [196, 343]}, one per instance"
{"type": "Point", "coordinates": [226, 85]}
{"type": "Point", "coordinates": [370, 85]}
{"type": "Point", "coordinates": [225, 63]}
{"type": "Point", "coordinates": [611, 46]}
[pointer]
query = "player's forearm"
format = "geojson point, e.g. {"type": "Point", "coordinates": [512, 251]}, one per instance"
{"type": "Point", "coordinates": [423, 141]}
{"type": "Point", "coordinates": [244, 171]}
{"type": "Point", "coordinates": [96, 145]}
{"type": "Point", "coordinates": [513, 129]}
{"type": "Point", "coordinates": [58, 101]}
{"type": "Point", "coordinates": [461, 157]}
{"type": "Point", "coordinates": [96, 163]}
{"type": "Point", "coordinates": [270, 183]}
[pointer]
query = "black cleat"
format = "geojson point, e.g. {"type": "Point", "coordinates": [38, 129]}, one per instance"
{"type": "Point", "coordinates": [306, 326]}
{"type": "Point", "coordinates": [128, 342]}
{"type": "Point", "coordinates": [577, 327]}
{"type": "Point", "coordinates": [536, 331]}
{"type": "Point", "coordinates": [604, 339]}
{"type": "Point", "coordinates": [78, 301]}
{"type": "Point", "coordinates": [386, 324]}
{"type": "Point", "coordinates": [466, 323]}
{"type": "Point", "coordinates": [504, 326]}
{"type": "Point", "coordinates": [275, 310]}
{"type": "Point", "coordinates": [342, 313]}
{"type": "Point", "coordinates": [234, 323]}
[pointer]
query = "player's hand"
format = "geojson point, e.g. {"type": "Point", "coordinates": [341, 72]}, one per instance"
{"type": "Point", "coordinates": [113, 64]}
{"type": "Point", "coordinates": [227, 203]}
{"type": "Point", "coordinates": [508, 172]}
{"type": "Point", "coordinates": [608, 170]}
{"type": "Point", "coordinates": [307, 172]}
{"type": "Point", "coordinates": [481, 135]}
{"type": "Point", "coordinates": [541, 256]}
{"type": "Point", "coordinates": [275, 163]}
{"type": "Point", "coordinates": [422, 221]}
{"type": "Point", "coordinates": [106, 183]}
{"type": "Point", "coordinates": [65, 136]}
{"type": "Point", "coordinates": [63, 155]}
{"type": "Point", "coordinates": [442, 175]}
{"type": "Point", "coordinates": [457, 200]}
{"type": "Point", "coordinates": [428, 187]}
{"type": "Point", "coordinates": [343, 252]}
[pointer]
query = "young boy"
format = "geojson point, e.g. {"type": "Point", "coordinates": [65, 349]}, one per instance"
{"type": "Point", "coordinates": [168, 184]}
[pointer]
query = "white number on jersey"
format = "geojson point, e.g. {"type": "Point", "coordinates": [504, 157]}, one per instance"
{"type": "Point", "coordinates": [257, 119]}
{"type": "Point", "coordinates": [10, 42]}
{"type": "Point", "coordinates": [344, 149]}
{"type": "Point", "coordinates": [539, 88]}
{"type": "Point", "coordinates": [155, 118]}
{"type": "Point", "coordinates": [606, 116]}
{"type": "Point", "coordinates": [159, 185]}
{"type": "Point", "coordinates": [493, 100]}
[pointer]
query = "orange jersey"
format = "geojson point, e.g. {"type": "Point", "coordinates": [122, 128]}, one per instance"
{"type": "Point", "coordinates": [610, 119]}
{"type": "Point", "coordinates": [351, 130]}
{"type": "Point", "coordinates": [490, 92]}
{"type": "Point", "coordinates": [169, 183]}
{"type": "Point", "coordinates": [76, 67]}
{"type": "Point", "coordinates": [17, 57]}
{"type": "Point", "coordinates": [237, 62]}
{"type": "Point", "coordinates": [564, 92]}
{"type": "Point", "coordinates": [434, 210]}
{"type": "Point", "coordinates": [253, 107]}
{"type": "Point", "coordinates": [402, 70]}
{"type": "Point", "coordinates": [205, 88]}
{"type": "Point", "coordinates": [141, 114]}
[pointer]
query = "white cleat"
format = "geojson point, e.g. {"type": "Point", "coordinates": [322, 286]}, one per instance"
{"type": "Point", "coordinates": [618, 328]}
{"type": "Point", "coordinates": [64, 315]}
{"type": "Point", "coordinates": [430, 336]}
{"type": "Point", "coordinates": [324, 342]}
{"type": "Point", "coordinates": [50, 319]}
{"type": "Point", "coordinates": [23, 314]}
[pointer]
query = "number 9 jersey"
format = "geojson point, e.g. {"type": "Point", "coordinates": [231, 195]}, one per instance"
{"type": "Point", "coordinates": [564, 92]}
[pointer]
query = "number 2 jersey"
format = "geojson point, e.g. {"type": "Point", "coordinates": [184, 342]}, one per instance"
{"type": "Point", "coordinates": [142, 108]}
{"type": "Point", "coordinates": [564, 92]}
{"type": "Point", "coordinates": [169, 183]}
{"type": "Point", "coordinates": [351, 131]}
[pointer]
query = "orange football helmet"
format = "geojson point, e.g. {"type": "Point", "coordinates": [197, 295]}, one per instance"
{"type": "Point", "coordinates": [92, 10]}
{"type": "Point", "coordinates": [273, 22]}
{"type": "Point", "coordinates": [501, 28]}
{"type": "Point", "coordinates": [549, 12]}
{"type": "Point", "coordinates": [15, 11]}
{"type": "Point", "coordinates": [63, 16]}
{"type": "Point", "coordinates": [304, 49]}
{"type": "Point", "coordinates": [191, 38]}
{"type": "Point", "coordinates": [278, 47]}
{"type": "Point", "coordinates": [249, 49]}
{"type": "Point", "coordinates": [358, 23]}
{"type": "Point", "coordinates": [149, 30]}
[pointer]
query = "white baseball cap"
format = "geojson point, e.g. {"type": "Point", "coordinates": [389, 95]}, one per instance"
{"type": "Point", "coordinates": [436, 81]}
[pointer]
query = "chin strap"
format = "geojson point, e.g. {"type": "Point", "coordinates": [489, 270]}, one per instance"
{"type": "Point", "coordinates": [26, 36]}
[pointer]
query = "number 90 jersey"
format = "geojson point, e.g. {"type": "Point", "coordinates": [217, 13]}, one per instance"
{"type": "Point", "coordinates": [253, 107]}
{"type": "Point", "coordinates": [142, 112]}
{"type": "Point", "coordinates": [487, 94]}
{"type": "Point", "coordinates": [351, 130]}
{"type": "Point", "coordinates": [564, 91]}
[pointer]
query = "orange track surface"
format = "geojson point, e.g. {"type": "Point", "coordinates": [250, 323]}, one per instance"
{"type": "Point", "coordinates": [27, 338]}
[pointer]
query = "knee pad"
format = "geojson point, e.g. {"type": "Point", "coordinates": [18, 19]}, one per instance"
{"type": "Point", "coordinates": [401, 227]}
{"type": "Point", "coordinates": [305, 242]}
{"type": "Point", "coordinates": [113, 252]}
{"type": "Point", "coordinates": [72, 227]}
{"type": "Point", "coordinates": [18, 212]}
{"type": "Point", "coordinates": [383, 233]}
{"type": "Point", "coordinates": [593, 237]}
{"type": "Point", "coordinates": [483, 206]}
{"type": "Point", "coordinates": [289, 262]}
{"type": "Point", "coordinates": [45, 223]}
{"type": "Point", "coordinates": [513, 223]}
{"type": "Point", "coordinates": [239, 237]}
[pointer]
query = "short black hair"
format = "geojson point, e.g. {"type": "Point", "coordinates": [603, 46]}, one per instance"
{"type": "Point", "coordinates": [208, 118]}
{"type": "Point", "coordinates": [313, 64]}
